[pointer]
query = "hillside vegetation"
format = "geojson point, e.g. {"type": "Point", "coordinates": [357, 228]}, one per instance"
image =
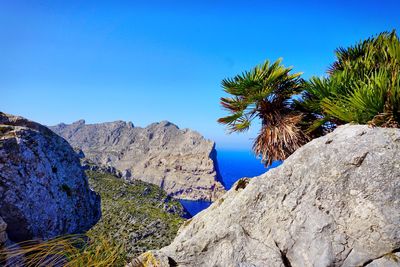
{"type": "Point", "coordinates": [136, 215]}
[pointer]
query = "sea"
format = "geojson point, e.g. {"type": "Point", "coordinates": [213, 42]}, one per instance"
{"type": "Point", "coordinates": [232, 165]}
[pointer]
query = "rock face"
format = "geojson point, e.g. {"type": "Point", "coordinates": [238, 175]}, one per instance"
{"type": "Point", "coordinates": [179, 161]}
{"type": "Point", "coordinates": [3, 233]}
{"type": "Point", "coordinates": [334, 202]}
{"type": "Point", "coordinates": [44, 191]}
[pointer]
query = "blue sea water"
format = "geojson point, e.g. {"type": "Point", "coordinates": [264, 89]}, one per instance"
{"type": "Point", "coordinates": [194, 207]}
{"type": "Point", "coordinates": [232, 165]}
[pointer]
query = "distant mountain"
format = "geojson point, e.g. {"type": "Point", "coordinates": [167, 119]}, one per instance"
{"type": "Point", "coordinates": [179, 161]}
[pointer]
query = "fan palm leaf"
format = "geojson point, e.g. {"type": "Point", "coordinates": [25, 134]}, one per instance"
{"type": "Point", "coordinates": [362, 86]}
{"type": "Point", "coordinates": [265, 92]}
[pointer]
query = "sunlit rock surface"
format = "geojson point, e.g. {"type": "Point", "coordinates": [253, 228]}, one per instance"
{"type": "Point", "coordinates": [44, 191]}
{"type": "Point", "coordinates": [334, 202]}
{"type": "Point", "coordinates": [179, 161]}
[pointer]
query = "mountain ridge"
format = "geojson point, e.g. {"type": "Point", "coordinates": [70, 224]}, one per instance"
{"type": "Point", "coordinates": [181, 161]}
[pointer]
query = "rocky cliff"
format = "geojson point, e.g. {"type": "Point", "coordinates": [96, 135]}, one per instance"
{"type": "Point", "coordinates": [334, 202]}
{"type": "Point", "coordinates": [44, 191]}
{"type": "Point", "coordinates": [3, 233]}
{"type": "Point", "coordinates": [179, 161]}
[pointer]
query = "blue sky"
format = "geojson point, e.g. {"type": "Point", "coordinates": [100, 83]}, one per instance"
{"type": "Point", "coordinates": [147, 61]}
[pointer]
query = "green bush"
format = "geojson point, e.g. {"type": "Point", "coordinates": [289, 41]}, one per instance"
{"type": "Point", "coordinates": [136, 215]}
{"type": "Point", "coordinates": [363, 85]}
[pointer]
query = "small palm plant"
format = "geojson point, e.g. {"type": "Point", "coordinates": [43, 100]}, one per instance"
{"type": "Point", "coordinates": [266, 92]}
{"type": "Point", "coordinates": [363, 85]}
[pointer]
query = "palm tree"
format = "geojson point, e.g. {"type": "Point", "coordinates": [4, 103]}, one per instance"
{"type": "Point", "coordinates": [266, 92]}
{"type": "Point", "coordinates": [363, 85]}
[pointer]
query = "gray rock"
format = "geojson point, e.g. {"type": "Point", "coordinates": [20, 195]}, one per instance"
{"type": "Point", "coordinates": [44, 191]}
{"type": "Point", "coordinates": [388, 260]}
{"type": "Point", "coordinates": [87, 164]}
{"type": "Point", "coordinates": [79, 152]}
{"type": "Point", "coordinates": [334, 202]}
{"type": "Point", "coordinates": [179, 161]}
{"type": "Point", "coordinates": [3, 233]}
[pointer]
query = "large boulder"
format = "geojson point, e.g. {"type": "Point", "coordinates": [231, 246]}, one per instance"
{"type": "Point", "coordinates": [181, 162]}
{"type": "Point", "coordinates": [334, 202]}
{"type": "Point", "coordinates": [43, 190]}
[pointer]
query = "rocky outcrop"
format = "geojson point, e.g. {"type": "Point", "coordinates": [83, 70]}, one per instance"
{"type": "Point", "coordinates": [3, 233]}
{"type": "Point", "coordinates": [88, 165]}
{"type": "Point", "coordinates": [334, 202]}
{"type": "Point", "coordinates": [179, 161]}
{"type": "Point", "coordinates": [44, 191]}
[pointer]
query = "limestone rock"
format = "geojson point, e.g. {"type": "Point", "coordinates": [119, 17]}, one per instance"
{"type": "Point", "coordinates": [387, 260]}
{"type": "Point", "coordinates": [334, 202]}
{"type": "Point", "coordinates": [3, 233]}
{"type": "Point", "coordinates": [179, 161]}
{"type": "Point", "coordinates": [44, 191]}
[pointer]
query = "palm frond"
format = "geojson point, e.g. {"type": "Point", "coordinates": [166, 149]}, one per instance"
{"type": "Point", "coordinates": [263, 92]}
{"type": "Point", "coordinates": [362, 86]}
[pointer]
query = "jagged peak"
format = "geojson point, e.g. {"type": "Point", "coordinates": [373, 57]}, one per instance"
{"type": "Point", "coordinates": [156, 153]}
{"type": "Point", "coordinates": [163, 123]}
{"type": "Point", "coordinates": [130, 124]}
{"type": "Point", "coordinates": [83, 122]}
{"type": "Point", "coordinates": [79, 122]}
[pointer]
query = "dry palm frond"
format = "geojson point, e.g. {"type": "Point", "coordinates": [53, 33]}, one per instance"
{"type": "Point", "coordinates": [385, 120]}
{"type": "Point", "coordinates": [68, 251]}
{"type": "Point", "coordinates": [279, 140]}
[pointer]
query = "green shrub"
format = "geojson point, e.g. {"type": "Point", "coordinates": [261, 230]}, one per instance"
{"type": "Point", "coordinates": [134, 214]}
{"type": "Point", "coordinates": [363, 85]}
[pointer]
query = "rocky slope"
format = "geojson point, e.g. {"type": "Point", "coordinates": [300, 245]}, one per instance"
{"type": "Point", "coordinates": [179, 161]}
{"type": "Point", "coordinates": [334, 202]}
{"type": "Point", "coordinates": [137, 215]}
{"type": "Point", "coordinates": [44, 191]}
{"type": "Point", "coordinates": [3, 233]}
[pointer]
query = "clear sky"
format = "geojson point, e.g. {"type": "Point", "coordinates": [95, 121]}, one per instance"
{"type": "Point", "coordinates": [147, 61]}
